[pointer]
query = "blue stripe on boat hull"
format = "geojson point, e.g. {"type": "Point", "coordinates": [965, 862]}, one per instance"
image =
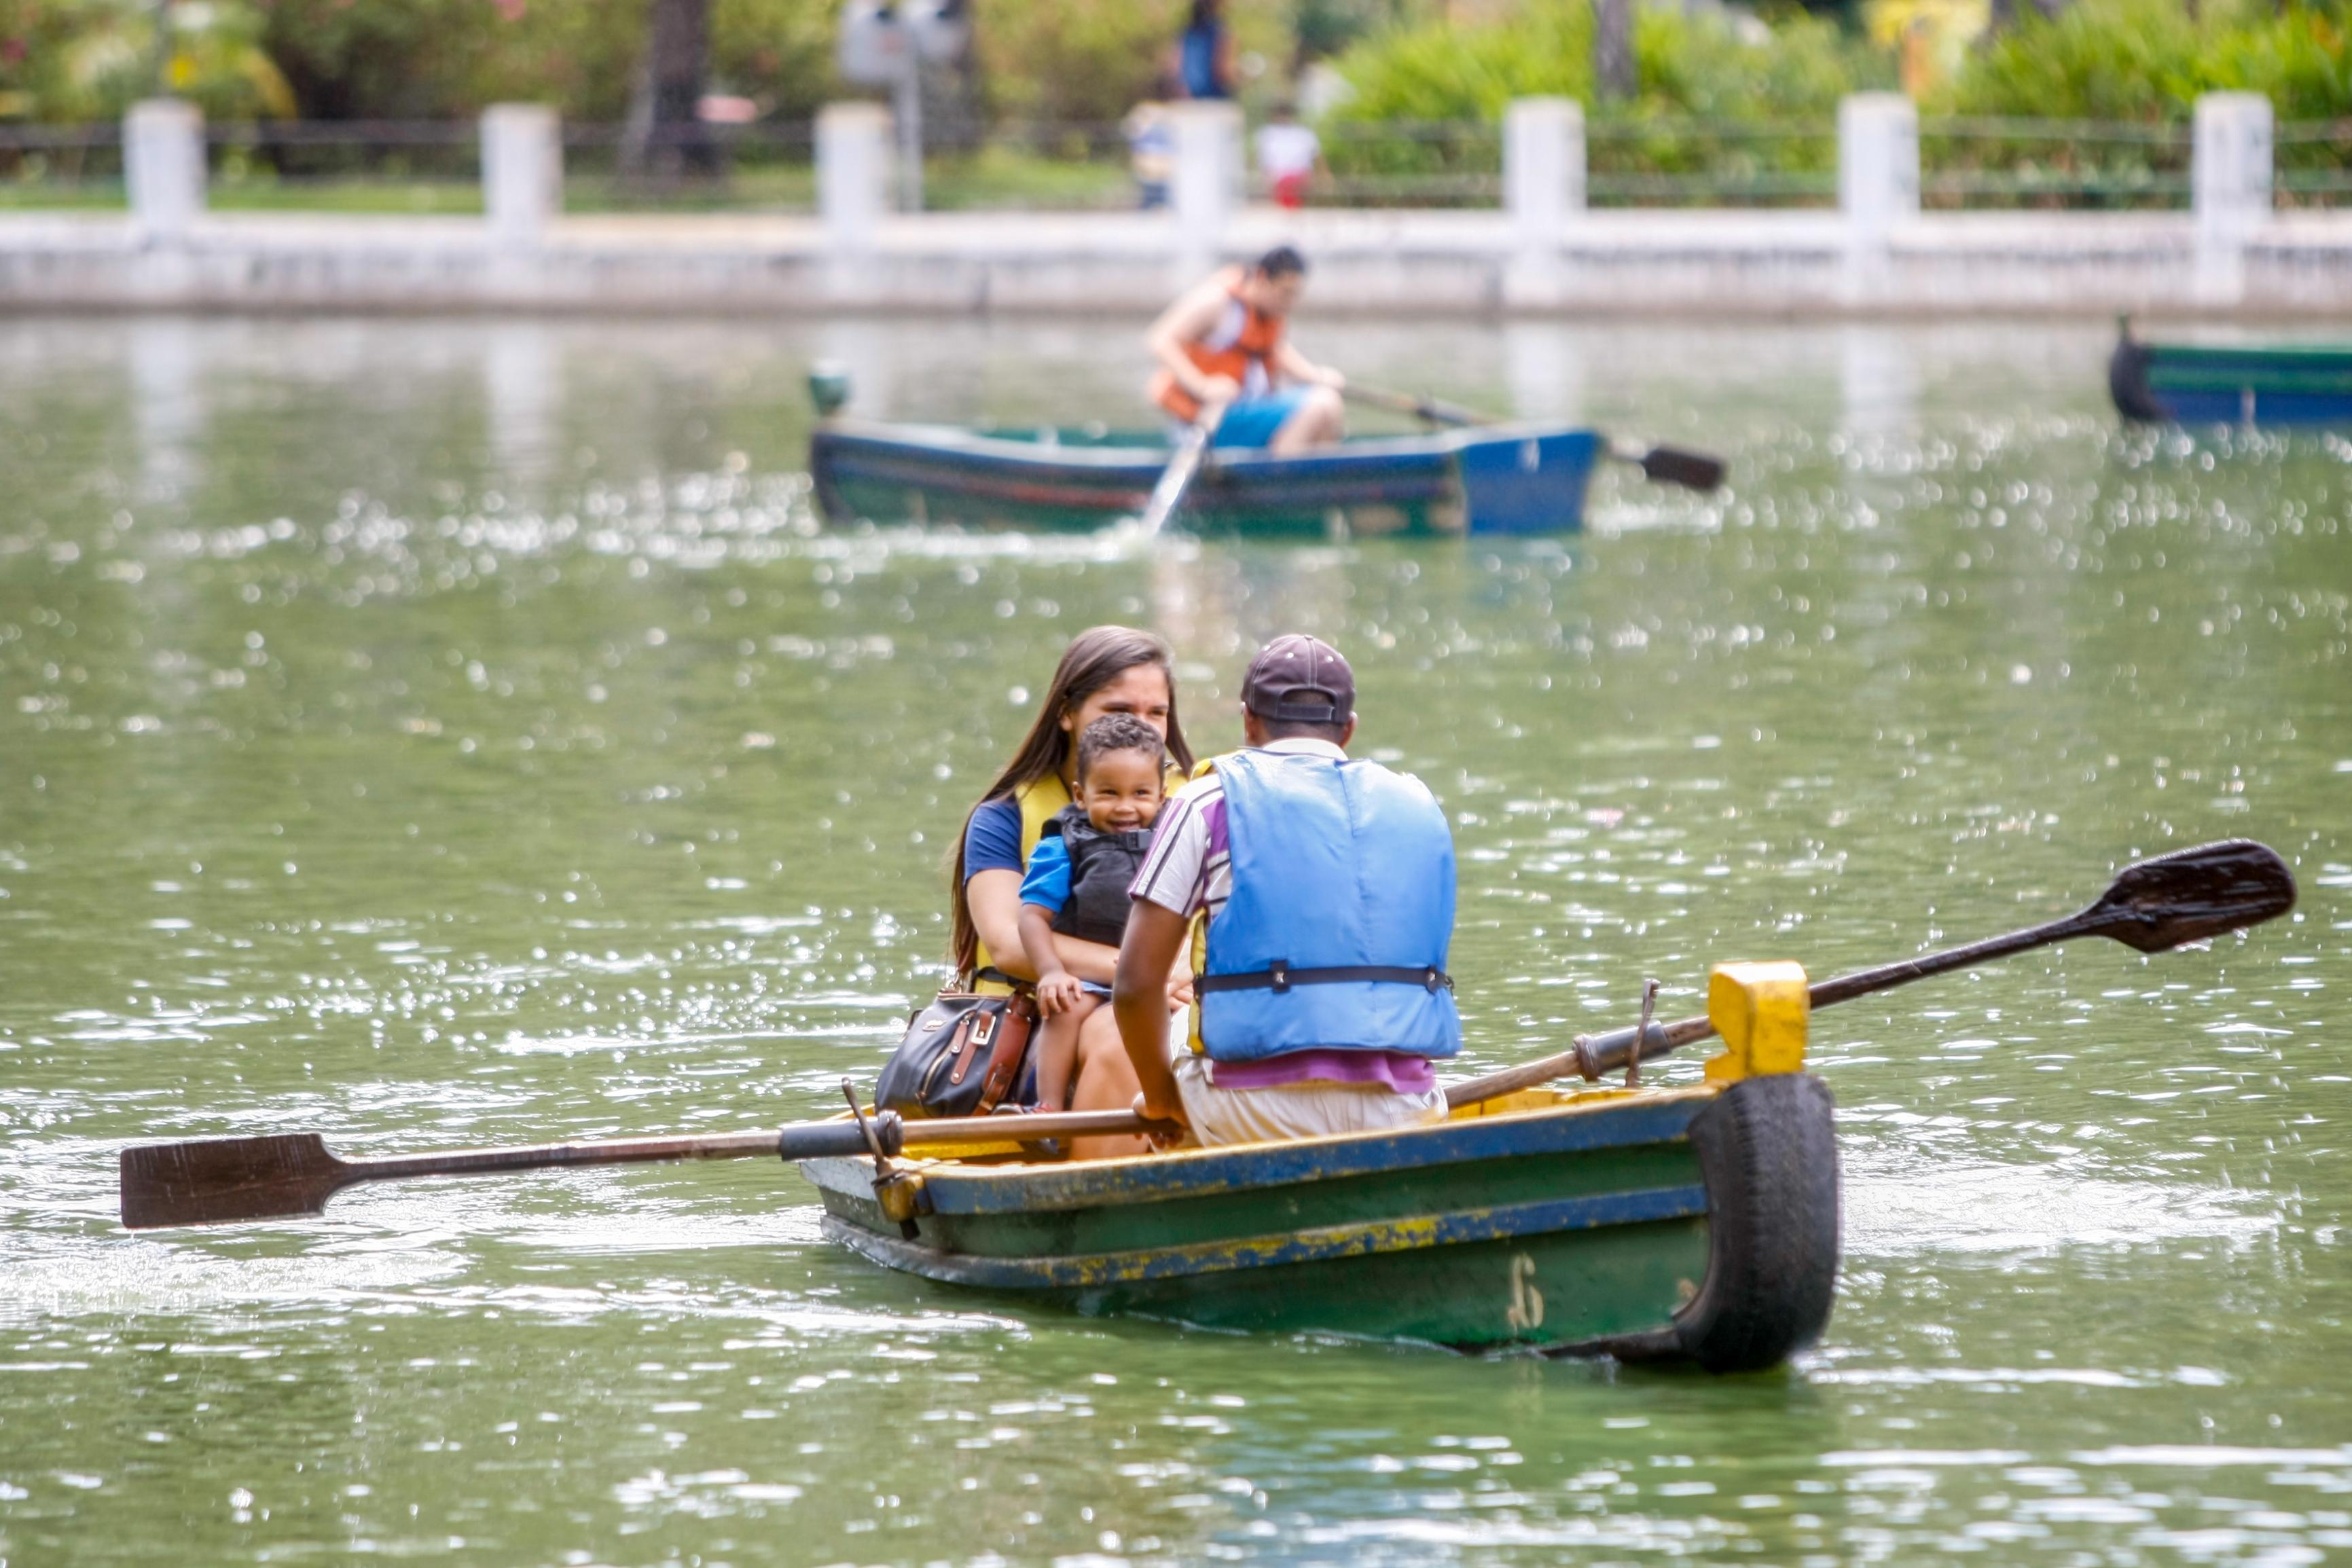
{"type": "Point", "coordinates": [2259, 408]}
{"type": "Point", "coordinates": [1659, 1117]}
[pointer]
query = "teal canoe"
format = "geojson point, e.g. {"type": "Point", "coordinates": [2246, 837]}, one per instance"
{"type": "Point", "coordinates": [1492, 480]}
{"type": "Point", "coordinates": [1698, 1222]}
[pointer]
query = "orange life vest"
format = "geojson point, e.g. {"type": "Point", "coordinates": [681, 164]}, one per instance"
{"type": "Point", "coordinates": [1240, 345]}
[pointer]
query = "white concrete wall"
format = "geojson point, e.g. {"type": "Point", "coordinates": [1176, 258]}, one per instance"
{"type": "Point", "coordinates": [1542, 254]}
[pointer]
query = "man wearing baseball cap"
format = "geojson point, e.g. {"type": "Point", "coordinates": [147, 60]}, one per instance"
{"type": "Point", "coordinates": [1327, 887]}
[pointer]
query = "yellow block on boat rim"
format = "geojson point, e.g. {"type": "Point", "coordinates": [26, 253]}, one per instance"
{"type": "Point", "coordinates": [1759, 1009]}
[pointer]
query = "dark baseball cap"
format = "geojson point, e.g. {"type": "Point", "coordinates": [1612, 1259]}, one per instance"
{"type": "Point", "coordinates": [1300, 679]}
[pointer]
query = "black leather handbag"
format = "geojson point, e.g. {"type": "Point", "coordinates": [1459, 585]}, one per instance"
{"type": "Point", "coordinates": [964, 1054]}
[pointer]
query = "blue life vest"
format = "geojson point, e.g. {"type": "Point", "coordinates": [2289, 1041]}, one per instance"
{"type": "Point", "coordinates": [1342, 909]}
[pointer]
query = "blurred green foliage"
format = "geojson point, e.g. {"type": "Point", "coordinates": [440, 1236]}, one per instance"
{"type": "Point", "coordinates": [1705, 64]}
{"type": "Point", "coordinates": [92, 59]}
{"type": "Point", "coordinates": [1060, 60]}
{"type": "Point", "coordinates": [2148, 60]}
{"type": "Point", "coordinates": [1720, 68]}
{"type": "Point", "coordinates": [390, 59]}
{"type": "Point", "coordinates": [1731, 108]}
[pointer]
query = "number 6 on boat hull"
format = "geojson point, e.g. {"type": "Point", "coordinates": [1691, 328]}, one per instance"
{"type": "Point", "coordinates": [1564, 1221]}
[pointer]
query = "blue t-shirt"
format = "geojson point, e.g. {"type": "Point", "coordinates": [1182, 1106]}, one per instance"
{"type": "Point", "coordinates": [992, 839]}
{"type": "Point", "coordinates": [1046, 883]}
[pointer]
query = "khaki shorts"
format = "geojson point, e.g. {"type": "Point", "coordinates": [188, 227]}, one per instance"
{"type": "Point", "coordinates": [1276, 1115]}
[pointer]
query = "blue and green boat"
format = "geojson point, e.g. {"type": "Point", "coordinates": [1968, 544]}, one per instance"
{"type": "Point", "coordinates": [2243, 384]}
{"type": "Point", "coordinates": [1491, 480]}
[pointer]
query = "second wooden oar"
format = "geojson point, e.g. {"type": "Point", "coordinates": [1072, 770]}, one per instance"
{"type": "Point", "coordinates": [1176, 479]}
{"type": "Point", "coordinates": [2155, 904]}
{"type": "Point", "coordinates": [217, 1181]}
{"type": "Point", "coordinates": [1663, 464]}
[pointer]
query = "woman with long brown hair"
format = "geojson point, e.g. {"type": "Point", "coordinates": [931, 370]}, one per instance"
{"type": "Point", "coordinates": [1105, 670]}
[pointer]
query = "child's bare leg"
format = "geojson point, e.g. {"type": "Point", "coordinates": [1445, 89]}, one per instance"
{"type": "Point", "coordinates": [1057, 1053]}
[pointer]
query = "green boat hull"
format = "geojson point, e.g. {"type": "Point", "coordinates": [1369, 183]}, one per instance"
{"type": "Point", "coordinates": [2250, 384]}
{"type": "Point", "coordinates": [1592, 1223]}
{"type": "Point", "coordinates": [1488, 481]}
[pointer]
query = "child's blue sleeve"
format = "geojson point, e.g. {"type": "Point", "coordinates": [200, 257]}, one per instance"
{"type": "Point", "coordinates": [1047, 881]}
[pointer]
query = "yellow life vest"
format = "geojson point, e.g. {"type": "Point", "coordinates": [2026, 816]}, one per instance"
{"type": "Point", "coordinates": [1038, 803]}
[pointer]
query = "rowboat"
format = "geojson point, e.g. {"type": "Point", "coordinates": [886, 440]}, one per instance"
{"type": "Point", "coordinates": [2309, 383]}
{"type": "Point", "coordinates": [1697, 1221]}
{"type": "Point", "coordinates": [1492, 480]}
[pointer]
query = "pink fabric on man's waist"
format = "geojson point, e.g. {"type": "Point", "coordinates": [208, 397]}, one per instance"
{"type": "Point", "coordinates": [1392, 1069]}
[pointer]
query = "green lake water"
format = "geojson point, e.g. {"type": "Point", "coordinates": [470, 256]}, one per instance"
{"type": "Point", "coordinates": [438, 733]}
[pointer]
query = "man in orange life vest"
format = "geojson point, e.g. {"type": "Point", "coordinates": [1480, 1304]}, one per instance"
{"type": "Point", "coordinates": [1223, 343]}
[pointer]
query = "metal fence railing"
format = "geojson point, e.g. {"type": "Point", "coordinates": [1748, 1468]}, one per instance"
{"type": "Point", "coordinates": [1711, 163]}
{"type": "Point", "coordinates": [2052, 163]}
{"type": "Point", "coordinates": [2312, 162]}
{"type": "Point", "coordinates": [770, 166]}
{"type": "Point", "coordinates": [1649, 162]}
{"type": "Point", "coordinates": [60, 165]}
{"type": "Point", "coordinates": [1411, 163]}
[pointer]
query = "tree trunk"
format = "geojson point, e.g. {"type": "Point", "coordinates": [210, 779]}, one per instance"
{"type": "Point", "coordinates": [663, 137]}
{"type": "Point", "coordinates": [1612, 50]}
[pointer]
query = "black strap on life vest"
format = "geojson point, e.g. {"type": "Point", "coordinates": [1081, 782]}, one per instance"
{"type": "Point", "coordinates": [1279, 977]}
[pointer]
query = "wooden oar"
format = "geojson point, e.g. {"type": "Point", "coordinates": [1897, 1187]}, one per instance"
{"type": "Point", "coordinates": [2189, 895]}
{"type": "Point", "coordinates": [1664, 464]}
{"type": "Point", "coordinates": [214, 1181]}
{"type": "Point", "coordinates": [1176, 479]}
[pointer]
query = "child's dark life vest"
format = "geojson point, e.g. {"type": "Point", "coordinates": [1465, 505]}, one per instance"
{"type": "Point", "coordinates": [1102, 868]}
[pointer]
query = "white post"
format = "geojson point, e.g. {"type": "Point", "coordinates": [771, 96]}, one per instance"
{"type": "Point", "coordinates": [853, 173]}
{"type": "Point", "coordinates": [522, 172]}
{"type": "Point", "coordinates": [163, 165]}
{"type": "Point", "coordinates": [2230, 188]}
{"type": "Point", "coordinates": [1878, 181]}
{"type": "Point", "coordinates": [1206, 185]}
{"type": "Point", "coordinates": [1543, 193]}
{"type": "Point", "coordinates": [1543, 167]}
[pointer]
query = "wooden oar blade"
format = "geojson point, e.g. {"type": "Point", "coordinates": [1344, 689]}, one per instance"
{"type": "Point", "coordinates": [218, 1181]}
{"type": "Point", "coordinates": [1680, 465]}
{"type": "Point", "coordinates": [2194, 894]}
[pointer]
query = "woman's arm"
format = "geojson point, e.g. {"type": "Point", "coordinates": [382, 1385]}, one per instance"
{"type": "Point", "coordinates": [995, 899]}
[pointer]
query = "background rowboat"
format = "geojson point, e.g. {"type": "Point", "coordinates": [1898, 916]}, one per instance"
{"type": "Point", "coordinates": [2253, 384]}
{"type": "Point", "coordinates": [1491, 480]}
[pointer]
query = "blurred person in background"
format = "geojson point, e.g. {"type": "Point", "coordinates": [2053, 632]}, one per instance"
{"type": "Point", "coordinates": [1290, 155]}
{"type": "Point", "coordinates": [1151, 134]}
{"type": "Point", "coordinates": [1205, 52]}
